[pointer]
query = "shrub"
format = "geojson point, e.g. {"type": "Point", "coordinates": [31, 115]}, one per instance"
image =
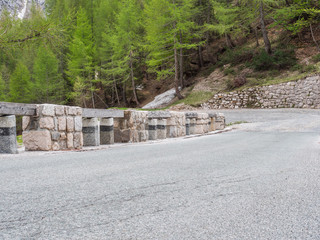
{"type": "Point", "coordinates": [236, 56]}
{"type": "Point", "coordinates": [239, 80]}
{"type": "Point", "coordinates": [280, 59]}
{"type": "Point", "coordinates": [316, 58]}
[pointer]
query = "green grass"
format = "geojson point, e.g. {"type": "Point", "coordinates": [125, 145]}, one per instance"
{"type": "Point", "coordinates": [19, 140]}
{"type": "Point", "coordinates": [195, 99]}
{"type": "Point", "coordinates": [235, 123]}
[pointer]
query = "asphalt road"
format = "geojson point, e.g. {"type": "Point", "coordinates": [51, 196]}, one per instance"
{"type": "Point", "coordinates": [259, 181]}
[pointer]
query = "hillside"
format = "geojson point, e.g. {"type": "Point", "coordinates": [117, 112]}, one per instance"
{"type": "Point", "coordinates": [111, 53]}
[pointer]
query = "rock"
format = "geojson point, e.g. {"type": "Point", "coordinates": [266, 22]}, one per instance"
{"type": "Point", "coordinates": [37, 140]}
{"type": "Point", "coordinates": [46, 123]}
{"type": "Point", "coordinates": [161, 100]}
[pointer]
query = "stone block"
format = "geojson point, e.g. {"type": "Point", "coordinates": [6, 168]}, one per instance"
{"type": "Point", "coordinates": [60, 110]}
{"type": "Point", "coordinates": [71, 111]}
{"type": "Point", "coordinates": [78, 140]}
{"type": "Point", "coordinates": [37, 140]}
{"type": "Point", "coordinates": [188, 126]}
{"type": "Point", "coordinates": [91, 132]}
{"type": "Point", "coordinates": [63, 136]}
{"type": "Point", "coordinates": [70, 124]}
{"type": "Point", "coordinates": [55, 136]}
{"type": "Point", "coordinates": [152, 127]}
{"type": "Point", "coordinates": [70, 140]}
{"type": "Point", "coordinates": [62, 123]}
{"type": "Point", "coordinates": [47, 110]}
{"type": "Point", "coordinates": [46, 123]}
{"type": "Point", "coordinates": [78, 123]}
{"type": "Point", "coordinates": [55, 146]}
{"type": "Point", "coordinates": [8, 136]}
{"type": "Point", "coordinates": [161, 129]}
{"type": "Point", "coordinates": [25, 122]}
{"type": "Point", "coordinates": [106, 131]}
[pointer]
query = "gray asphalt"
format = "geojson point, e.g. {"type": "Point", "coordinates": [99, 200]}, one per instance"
{"type": "Point", "coordinates": [259, 181]}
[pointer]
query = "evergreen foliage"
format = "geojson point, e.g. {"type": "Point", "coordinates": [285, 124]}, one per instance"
{"type": "Point", "coordinates": [96, 52]}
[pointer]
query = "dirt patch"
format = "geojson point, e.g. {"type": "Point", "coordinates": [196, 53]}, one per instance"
{"type": "Point", "coordinates": [215, 82]}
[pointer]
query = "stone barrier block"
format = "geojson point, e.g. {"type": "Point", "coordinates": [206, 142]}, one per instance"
{"type": "Point", "coordinates": [193, 124]}
{"type": "Point", "coordinates": [162, 129]}
{"type": "Point", "coordinates": [91, 132]}
{"type": "Point", "coordinates": [106, 131]}
{"type": "Point", "coordinates": [152, 127]}
{"type": "Point", "coordinates": [220, 122]}
{"type": "Point", "coordinates": [188, 126]}
{"type": "Point", "coordinates": [8, 136]}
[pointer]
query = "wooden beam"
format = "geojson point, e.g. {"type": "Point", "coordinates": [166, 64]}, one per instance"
{"type": "Point", "coordinates": [102, 113]}
{"type": "Point", "coordinates": [19, 109]}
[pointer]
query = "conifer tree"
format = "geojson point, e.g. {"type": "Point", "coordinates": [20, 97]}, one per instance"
{"type": "Point", "coordinates": [47, 81]}
{"type": "Point", "coordinates": [166, 21]}
{"type": "Point", "coordinates": [20, 84]}
{"type": "Point", "coordinates": [2, 89]}
{"type": "Point", "coordinates": [80, 61]}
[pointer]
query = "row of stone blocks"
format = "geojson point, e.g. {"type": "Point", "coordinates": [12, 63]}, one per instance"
{"type": "Point", "coordinates": [140, 126]}
{"type": "Point", "coordinates": [56, 127]}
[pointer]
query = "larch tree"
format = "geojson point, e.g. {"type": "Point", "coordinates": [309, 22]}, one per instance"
{"type": "Point", "coordinates": [20, 84]}
{"type": "Point", "coordinates": [47, 80]}
{"type": "Point", "coordinates": [167, 22]}
{"type": "Point", "coordinates": [80, 61]}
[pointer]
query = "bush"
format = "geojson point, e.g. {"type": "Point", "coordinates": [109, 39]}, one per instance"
{"type": "Point", "coordinates": [237, 82]}
{"type": "Point", "coordinates": [280, 59]}
{"type": "Point", "coordinates": [236, 56]}
{"type": "Point", "coordinates": [316, 58]}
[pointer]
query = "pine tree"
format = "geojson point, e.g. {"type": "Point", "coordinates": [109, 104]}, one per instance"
{"type": "Point", "coordinates": [20, 84]}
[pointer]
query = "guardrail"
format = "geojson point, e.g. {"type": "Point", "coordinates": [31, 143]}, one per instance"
{"type": "Point", "coordinates": [48, 127]}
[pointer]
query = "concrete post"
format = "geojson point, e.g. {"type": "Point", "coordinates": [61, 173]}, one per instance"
{"type": "Point", "coordinates": [161, 129]}
{"type": "Point", "coordinates": [91, 132]}
{"type": "Point", "coordinates": [188, 126]}
{"type": "Point", "coordinates": [106, 131]}
{"type": "Point", "coordinates": [8, 135]}
{"type": "Point", "coordinates": [193, 123]}
{"type": "Point", "coordinates": [152, 126]}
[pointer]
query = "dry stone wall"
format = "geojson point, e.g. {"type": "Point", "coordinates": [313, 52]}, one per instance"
{"type": "Point", "coordinates": [303, 93]}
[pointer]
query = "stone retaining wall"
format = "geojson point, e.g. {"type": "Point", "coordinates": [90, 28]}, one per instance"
{"type": "Point", "coordinates": [303, 93]}
{"type": "Point", "coordinates": [54, 127]}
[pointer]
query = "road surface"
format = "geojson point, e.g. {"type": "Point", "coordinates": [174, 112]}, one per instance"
{"type": "Point", "coordinates": [259, 181]}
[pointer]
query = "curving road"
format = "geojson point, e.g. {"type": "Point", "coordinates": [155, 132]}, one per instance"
{"type": "Point", "coordinates": [259, 181]}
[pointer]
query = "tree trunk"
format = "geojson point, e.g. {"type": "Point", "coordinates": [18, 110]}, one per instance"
{"type": "Point", "coordinates": [229, 42]}
{"type": "Point", "coordinates": [257, 36]}
{"type": "Point", "coordinates": [116, 91]}
{"type": "Point", "coordinates": [181, 63]}
{"type": "Point", "coordinates": [176, 67]}
{"type": "Point", "coordinates": [115, 87]}
{"type": "Point", "coordinates": [314, 39]}
{"type": "Point", "coordinates": [132, 82]}
{"type": "Point", "coordinates": [267, 44]}
{"type": "Point", "coordinates": [200, 57]}
{"type": "Point", "coordinates": [124, 94]}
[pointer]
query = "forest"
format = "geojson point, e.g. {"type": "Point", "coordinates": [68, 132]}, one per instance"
{"type": "Point", "coordinates": [97, 53]}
